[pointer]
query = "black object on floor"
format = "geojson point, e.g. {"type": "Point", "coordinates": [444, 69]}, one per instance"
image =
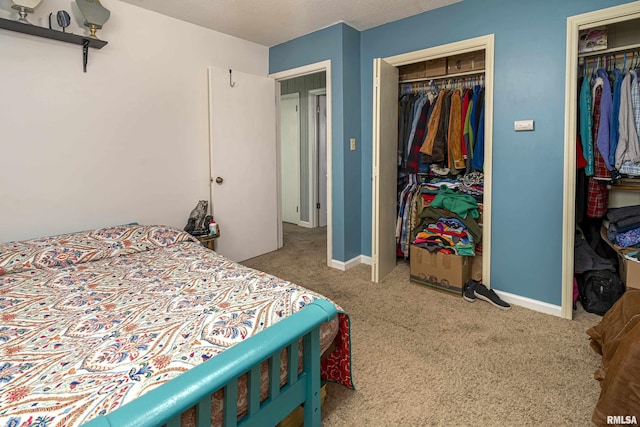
{"type": "Point", "coordinates": [488, 295]}
{"type": "Point", "coordinates": [467, 290]}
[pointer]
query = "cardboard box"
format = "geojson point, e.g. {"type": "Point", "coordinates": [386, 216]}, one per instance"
{"type": "Point", "coordinates": [472, 61]}
{"type": "Point", "coordinates": [438, 270]}
{"type": "Point", "coordinates": [476, 268]}
{"type": "Point", "coordinates": [421, 70]}
{"type": "Point", "coordinates": [629, 269]}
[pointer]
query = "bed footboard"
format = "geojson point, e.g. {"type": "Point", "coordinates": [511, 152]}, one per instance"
{"type": "Point", "coordinates": [163, 405]}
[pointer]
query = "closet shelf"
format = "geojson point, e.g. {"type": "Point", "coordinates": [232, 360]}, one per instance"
{"type": "Point", "coordinates": [619, 187]}
{"type": "Point", "coordinates": [611, 50]}
{"type": "Point", "coordinates": [443, 76]}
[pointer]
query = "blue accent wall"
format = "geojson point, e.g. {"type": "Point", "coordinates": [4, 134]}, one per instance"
{"type": "Point", "coordinates": [339, 43]}
{"type": "Point", "coordinates": [530, 43]}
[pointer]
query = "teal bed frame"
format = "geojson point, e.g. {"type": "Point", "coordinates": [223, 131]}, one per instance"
{"type": "Point", "coordinates": [162, 406]}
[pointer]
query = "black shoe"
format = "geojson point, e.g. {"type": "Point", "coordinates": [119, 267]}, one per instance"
{"type": "Point", "coordinates": [467, 290]}
{"type": "Point", "coordinates": [481, 291]}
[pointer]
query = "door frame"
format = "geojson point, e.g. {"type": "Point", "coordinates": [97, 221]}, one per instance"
{"type": "Point", "coordinates": [313, 156]}
{"type": "Point", "coordinates": [303, 71]}
{"type": "Point", "coordinates": [296, 96]}
{"type": "Point", "coordinates": [576, 23]}
{"type": "Point", "coordinates": [464, 46]}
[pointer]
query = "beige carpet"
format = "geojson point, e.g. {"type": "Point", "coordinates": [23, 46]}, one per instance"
{"type": "Point", "coordinates": [422, 357]}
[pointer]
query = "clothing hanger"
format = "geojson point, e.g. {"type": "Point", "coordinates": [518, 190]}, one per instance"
{"type": "Point", "coordinates": [433, 86]}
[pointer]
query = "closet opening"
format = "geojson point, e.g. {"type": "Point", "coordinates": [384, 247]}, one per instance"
{"type": "Point", "coordinates": [602, 149]}
{"type": "Point", "coordinates": [406, 170]}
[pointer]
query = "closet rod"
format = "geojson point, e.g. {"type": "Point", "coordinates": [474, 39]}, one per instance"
{"type": "Point", "coordinates": [443, 77]}
{"type": "Point", "coordinates": [612, 50]}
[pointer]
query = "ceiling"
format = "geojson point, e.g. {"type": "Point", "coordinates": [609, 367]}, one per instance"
{"type": "Point", "coordinates": [270, 22]}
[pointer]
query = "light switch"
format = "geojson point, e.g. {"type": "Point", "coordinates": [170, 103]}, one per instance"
{"type": "Point", "coordinates": [520, 125]}
{"type": "Point", "coordinates": [353, 144]}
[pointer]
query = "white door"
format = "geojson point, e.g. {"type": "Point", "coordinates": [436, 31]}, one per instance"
{"type": "Point", "coordinates": [244, 194]}
{"type": "Point", "coordinates": [322, 160]}
{"type": "Point", "coordinates": [385, 168]}
{"type": "Point", "coordinates": [290, 157]}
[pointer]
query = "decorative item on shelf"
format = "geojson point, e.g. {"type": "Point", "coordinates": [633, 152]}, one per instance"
{"type": "Point", "coordinates": [63, 18]}
{"type": "Point", "coordinates": [24, 7]}
{"type": "Point", "coordinates": [95, 15]}
{"type": "Point", "coordinates": [592, 39]}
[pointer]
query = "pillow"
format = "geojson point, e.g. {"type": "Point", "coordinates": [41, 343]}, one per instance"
{"type": "Point", "coordinates": [75, 248]}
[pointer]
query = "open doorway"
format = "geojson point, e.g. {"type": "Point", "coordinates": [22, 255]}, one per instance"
{"type": "Point", "coordinates": [303, 151]}
{"type": "Point", "coordinates": [281, 77]}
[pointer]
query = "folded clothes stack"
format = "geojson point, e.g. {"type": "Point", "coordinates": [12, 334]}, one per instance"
{"type": "Point", "coordinates": [448, 235]}
{"type": "Point", "coordinates": [624, 225]}
{"type": "Point", "coordinates": [449, 224]}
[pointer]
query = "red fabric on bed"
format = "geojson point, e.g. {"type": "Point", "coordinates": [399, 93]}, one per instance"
{"type": "Point", "coordinates": [337, 366]}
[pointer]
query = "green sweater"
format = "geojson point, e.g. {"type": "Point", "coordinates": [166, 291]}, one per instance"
{"type": "Point", "coordinates": [461, 204]}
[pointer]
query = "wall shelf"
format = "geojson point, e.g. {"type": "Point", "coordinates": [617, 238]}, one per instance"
{"type": "Point", "coordinates": [34, 30]}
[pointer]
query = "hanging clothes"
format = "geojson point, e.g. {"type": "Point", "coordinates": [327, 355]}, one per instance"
{"type": "Point", "coordinates": [478, 150]}
{"type": "Point", "coordinates": [597, 193]}
{"type": "Point", "coordinates": [456, 159]}
{"type": "Point", "coordinates": [434, 127]}
{"type": "Point", "coordinates": [586, 125]}
{"type": "Point", "coordinates": [466, 152]}
{"type": "Point", "coordinates": [603, 139]}
{"type": "Point", "coordinates": [628, 147]}
{"type": "Point", "coordinates": [417, 136]}
{"type": "Point", "coordinates": [614, 127]}
{"type": "Point", "coordinates": [635, 99]}
{"type": "Point", "coordinates": [435, 138]}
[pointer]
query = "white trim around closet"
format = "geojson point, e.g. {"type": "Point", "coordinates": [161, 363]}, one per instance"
{"type": "Point", "coordinates": [456, 48]}
{"type": "Point", "coordinates": [303, 71]}
{"type": "Point", "coordinates": [574, 25]}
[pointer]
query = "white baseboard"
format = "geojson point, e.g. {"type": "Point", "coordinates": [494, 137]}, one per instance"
{"type": "Point", "coordinates": [543, 307]}
{"type": "Point", "coordinates": [346, 265]}
{"type": "Point", "coordinates": [305, 224]}
{"type": "Point", "coordinates": [365, 259]}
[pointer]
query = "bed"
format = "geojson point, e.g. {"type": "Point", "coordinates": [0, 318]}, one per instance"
{"type": "Point", "coordinates": [617, 338]}
{"type": "Point", "coordinates": [107, 325]}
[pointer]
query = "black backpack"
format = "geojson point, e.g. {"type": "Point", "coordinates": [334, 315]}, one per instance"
{"type": "Point", "coordinates": [599, 290]}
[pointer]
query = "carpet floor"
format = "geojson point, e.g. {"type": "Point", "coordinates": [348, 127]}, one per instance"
{"type": "Point", "coordinates": [426, 358]}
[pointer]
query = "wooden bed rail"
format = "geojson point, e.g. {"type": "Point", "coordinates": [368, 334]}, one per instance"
{"type": "Point", "coordinates": [162, 406]}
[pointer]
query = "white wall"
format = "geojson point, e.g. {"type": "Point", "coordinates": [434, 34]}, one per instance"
{"type": "Point", "coordinates": [127, 141]}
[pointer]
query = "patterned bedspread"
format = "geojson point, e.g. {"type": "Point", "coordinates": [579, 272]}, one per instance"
{"type": "Point", "coordinates": [91, 320]}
